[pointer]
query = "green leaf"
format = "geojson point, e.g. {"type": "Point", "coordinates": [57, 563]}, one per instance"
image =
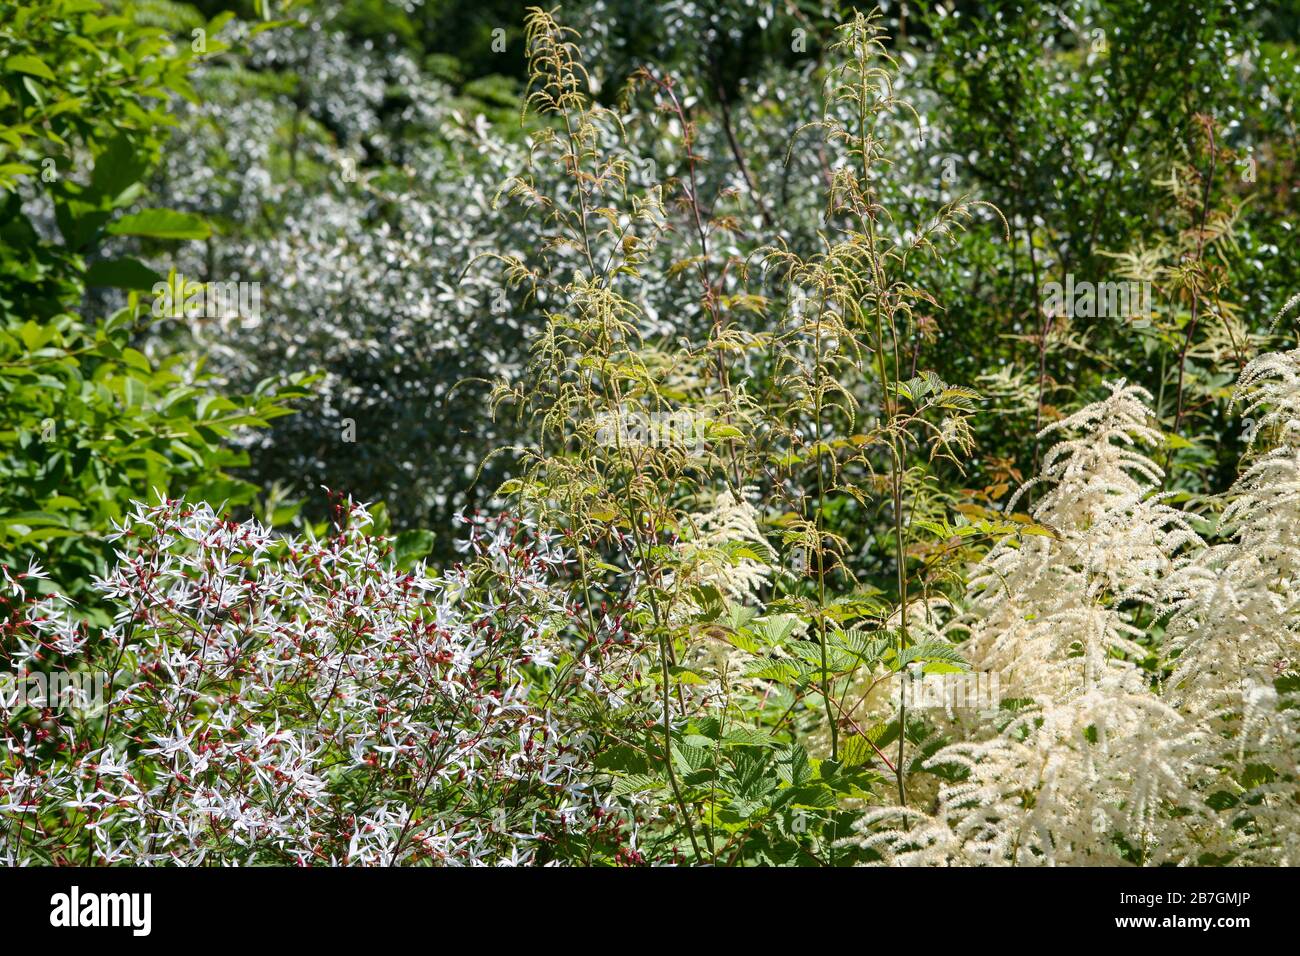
{"type": "Point", "coordinates": [410, 546]}
{"type": "Point", "coordinates": [856, 751]}
{"type": "Point", "coordinates": [117, 168]}
{"type": "Point", "coordinates": [932, 651]}
{"type": "Point", "coordinates": [793, 767]}
{"type": "Point", "coordinates": [635, 783]}
{"type": "Point", "coordinates": [136, 360]}
{"type": "Point", "coordinates": [684, 675]}
{"type": "Point", "coordinates": [814, 796]}
{"type": "Point", "coordinates": [162, 224]}
{"type": "Point", "coordinates": [623, 759]}
{"type": "Point", "coordinates": [122, 274]}
{"type": "Point", "coordinates": [748, 737]}
{"type": "Point", "coordinates": [32, 66]}
{"type": "Point", "coordinates": [776, 629]}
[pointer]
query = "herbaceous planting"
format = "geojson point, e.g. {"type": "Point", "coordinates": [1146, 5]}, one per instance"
{"type": "Point", "coordinates": [636, 434]}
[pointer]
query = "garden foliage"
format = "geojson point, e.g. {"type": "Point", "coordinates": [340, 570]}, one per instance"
{"type": "Point", "coordinates": [792, 435]}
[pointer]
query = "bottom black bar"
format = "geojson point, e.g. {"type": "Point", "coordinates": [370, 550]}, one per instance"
{"type": "Point", "coordinates": [202, 908]}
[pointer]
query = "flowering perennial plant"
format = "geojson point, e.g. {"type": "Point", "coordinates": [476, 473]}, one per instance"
{"type": "Point", "coordinates": [1234, 637]}
{"type": "Point", "coordinates": [1115, 744]}
{"type": "Point", "coordinates": [303, 701]}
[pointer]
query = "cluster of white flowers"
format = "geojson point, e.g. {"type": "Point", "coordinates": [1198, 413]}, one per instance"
{"type": "Point", "coordinates": [1076, 771]}
{"type": "Point", "coordinates": [1051, 610]}
{"type": "Point", "coordinates": [726, 550]}
{"type": "Point", "coordinates": [300, 701]}
{"type": "Point", "coordinates": [1235, 634]}
{"type": "Point", "coordinates": [1093, 758]}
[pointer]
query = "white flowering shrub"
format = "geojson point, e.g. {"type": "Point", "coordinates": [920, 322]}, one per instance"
{"type": "Point", "coordinates": [1119, 739]}
{"type": "Point", "coordinates": [1083, 760]}
{"type": "Point", "coordinates": [302, 701]}
{"type": "Point", "coordinates": [1234, 637]}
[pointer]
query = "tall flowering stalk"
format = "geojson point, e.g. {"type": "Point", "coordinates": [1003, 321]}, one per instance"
{"type": "Point", "coordinates": [861, 417]}
{"type": "Point", "coordinates": [611, 468]}
{"type": "Point", "coordinates": [1234, 638]}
